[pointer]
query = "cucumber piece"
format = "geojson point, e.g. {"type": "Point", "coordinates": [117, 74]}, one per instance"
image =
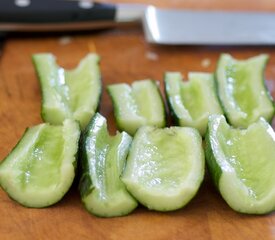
{"type": "Point", "coordinates": [165, 167]}
{"type": "Point", "coordinates": [41, 168]}
{"type": "Point", "coordinates": [137, 105]}
{"type": "Point", "coordinates": [242, 91]}
{"type": "Point", "coordinates": [103, 159]}
{"type": "Point", "coordinates": [73, 94]}
{"type": "Point", "coordinates": [242, 164]}
{"type": "Point", "coordinates": [192, 102]}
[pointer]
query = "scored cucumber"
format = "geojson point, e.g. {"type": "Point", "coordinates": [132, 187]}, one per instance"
{"type": "Point", "coordinates": [165, 167]}
{"type": "Point", "coordinates": [242, 164]}
{"type": "Point", "coordinates": [242, 91]}
{"type": "Point", "coordinates": [103, 159]}
{"type": "Point", "coordinates": [41, 168]}
{"type": "Point", "coordinates": [137, 105]}
{"type": "Point", "coordinates": [73, 94]}
{"type": "Point", "coordinates": [191, 102]}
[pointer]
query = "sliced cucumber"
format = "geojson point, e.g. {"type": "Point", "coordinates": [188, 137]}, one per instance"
{"type": "Point", "coordinates": [70, 94]}
{"type": "Point", "coordinates": [242, 90]}
{"type": "Point", "coordinates": [165, 167]}
{"type": "Point", "coordinates": [103, 159]}
{"type": "Point", "coordinates": [242, 164]}
{"type": "Point", "coordinates": [41, 168]}
{"type": "Point", "coordinates": [191, 102]}
{"type": "Point", "coordinates": [137, 105]}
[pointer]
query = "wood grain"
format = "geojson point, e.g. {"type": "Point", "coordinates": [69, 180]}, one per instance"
{"type": "Point", "coordinates": [125, 57]}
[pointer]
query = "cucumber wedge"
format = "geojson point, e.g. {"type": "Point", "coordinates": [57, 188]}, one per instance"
{"type": "Point", "coordinates": [191, 102]}
{"type": "Point", "coordinates": [137, 105]}
{"type": "Point", "coordinates": [73, 94]}
{"type": "Point", "coordinates": [165, 167]}
{"type": "Point", "coordinates": [242, 164]}
{"type": "Point", "coordinates": [103, 159]}
{"type": "Point", "coordinates": [41, 168]}
{"type": "Point", "coordinates": [242, 90]}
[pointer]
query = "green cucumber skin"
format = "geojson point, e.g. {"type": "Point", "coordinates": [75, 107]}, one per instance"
{"type": "Point", "coordinates": [136, 190]}
{"type": "Point", "coordinates": [85, 182]}
{"type": "Point", "coordinates": [86, 186]}
{"type": "Point", "coordinates": [163, 210]}
{"type": "Point", "coordinates": [57, 116]}
{"type": "Point", "coordinates": [119, 127]}
{"type": "Point", "coordinates": [218, 95]}
{"type": "Point", "coordinates": [156, 83]}
{"type": "Point", "coordinates": [64, 191]}
{"type": "Point", "coordinates": [216, 173]}
{"type": "Point", "coordinates": [43, 112]}
{"type": "Point", "coordinates": [174, 116]}
{"type": "Point", "coordinates": [9, 154]}
{"type": "Point", "coordinates": [163, 103]}
{"type": "Point", "coordinates": [176, 119]}
{"type": "Point", "coordinates": [212, 166]}
{"type": "Point", "coordinates": [268, 94]}
{"type": "Point", "coordinates": [225, 110]}
{"type": "Point", "coordinates": [116, 113]}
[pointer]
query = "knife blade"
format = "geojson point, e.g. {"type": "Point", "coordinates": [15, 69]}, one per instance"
{"type": "Point", "coordinates": [164, 26]}
{"type": "Point", "coordinates": [161, 26]}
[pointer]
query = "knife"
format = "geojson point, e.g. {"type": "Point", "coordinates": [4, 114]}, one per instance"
{"type": "Point", "coordinates": [161, 26]}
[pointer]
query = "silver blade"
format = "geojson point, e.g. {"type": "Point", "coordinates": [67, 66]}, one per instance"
{"type": "Point", "coordinates": [163, 26]}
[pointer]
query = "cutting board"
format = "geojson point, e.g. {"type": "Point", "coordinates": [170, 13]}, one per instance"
{"type": "Point", "coordinates": [125, 57]}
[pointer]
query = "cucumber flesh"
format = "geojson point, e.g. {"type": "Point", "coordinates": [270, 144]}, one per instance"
{"type": "Point", "coordinates": [41, 168]}
{"type": "Point", "coordinates": [137, 105]}
{"type": "Point", "coordinates": [192, 102]}
{"type": "Point", "coordinates": [72, 94]}
{"type": "Point", "coordinates": [242, 164]}
{"type": "Point", "coordinates": [165, 167]}
{"type": "Point", "coordinates": [242, 91]}
{"type": "Point", "coordinates": [103, 159]}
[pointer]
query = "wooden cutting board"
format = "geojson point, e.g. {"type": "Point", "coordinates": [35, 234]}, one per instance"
{"type": "Point", "coordinates": [125, 57]}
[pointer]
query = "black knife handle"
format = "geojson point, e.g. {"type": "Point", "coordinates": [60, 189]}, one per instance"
{"type": "Point", "coordinates": [54, 11]}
